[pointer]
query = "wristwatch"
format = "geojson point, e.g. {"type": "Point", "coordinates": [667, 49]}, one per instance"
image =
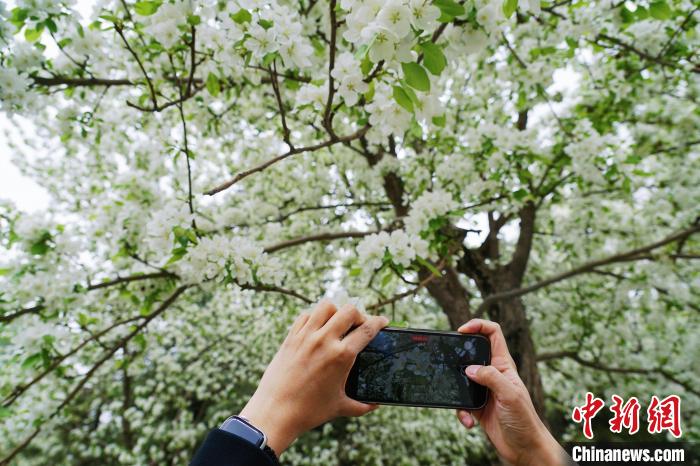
{"type": "Point", "coordinates": [241, 427]}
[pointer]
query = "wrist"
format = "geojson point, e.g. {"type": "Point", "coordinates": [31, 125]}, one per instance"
{"type": "Point", "coordinates": [545, 450]}
{"type": "Point", "coordinates": [272, 422]}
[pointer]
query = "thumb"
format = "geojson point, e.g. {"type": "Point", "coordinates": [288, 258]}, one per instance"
{"type": "Point", "coordinates": [491, 378]}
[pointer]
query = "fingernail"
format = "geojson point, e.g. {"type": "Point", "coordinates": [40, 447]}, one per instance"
{"type": "Point", "coordinates": [472, 370]}
{"type": "Point", "coordinates": [385, 320]}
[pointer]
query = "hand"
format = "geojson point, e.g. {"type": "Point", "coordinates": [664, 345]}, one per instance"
{"type": "Point", "coordinates": [509, 418]}
{"type": "Point", "coordinates": [304, 385]}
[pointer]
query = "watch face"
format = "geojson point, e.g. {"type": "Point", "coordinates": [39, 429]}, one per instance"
{"type": "Point", "coordinates": [245, 430]}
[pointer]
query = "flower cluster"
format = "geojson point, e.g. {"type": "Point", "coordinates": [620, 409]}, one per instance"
{"type": "Point", "coordinates": [275, 28]}
{"type": "Point", "coordinates": [160, 237]}
{"type": "Point", "coordinates": [238, 259]}
{"type": "Point", "coordinates": [428, 206]}
{"type": "Point", "coordinates": [401, 247]}
{"type": "Point", "coordinates": [385, 26]}
{"type": "Point", "coordinates": [165, 23]}
{"type": "Point", "coordinates": [347, 72]}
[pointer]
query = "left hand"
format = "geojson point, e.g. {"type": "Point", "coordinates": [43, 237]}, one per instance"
{"type": "Point", "coordinates": [304, 385]}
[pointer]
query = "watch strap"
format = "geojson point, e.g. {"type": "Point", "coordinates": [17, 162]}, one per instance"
{"type": "Point", "coordinates": [220, 447]}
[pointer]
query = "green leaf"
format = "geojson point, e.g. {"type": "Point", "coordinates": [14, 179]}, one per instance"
{"type": "Point", "coordinates": [178, 253]}
{"type": "Point", "coordinates": [269, 58]}
{"type": "Point", "coordinates": [428, 266]}
{"type": "Point", "coordinates": [32, 35]}
{"type": "Point", "coordinates": [41, 246]}
{"type": "Point", "coordinates": [50, 25]}
{"type": "Point", "coordinates": [147, 8]}
{"type": "Point", "coordinates": [509, 7]}
{"type": "Point", "coordinates": [265, 23]}
{"type": "Point", "coordinates": [242, 16]}
{"type": "Point", "coordinates": [433, 58]}
{"type": "Point", "coordinates": [520, 194]}
{"type": "Point", "coordinates": [449, 9]}
{"type": "Point", "coordinates": [439, 121]}
{"type": "Point", "coordinates": [369, 95]}
{"type": "Point", "coordinates": [366, 65]}
{"type": "Point", "coordinates": [412, 95]}
{"type": "Point", "coordinates": [213, 85]}
{"type": "Point", "coordinates": [402, 98]}
{"type": "Point", "coordinates": [194, 20]}
{"type": "Point", "coordinates": [18, 17]}
{"type": "Point", "coordinates": [416, 76]}
{"type": "Point", "coordinates": [355, 272]}
{"type": "Point", "coordinates": [110, 18]}
{"type": "Point", "coordinates": [387, 278]}
{"type": "Point", "coordinates": [660, 10]}
{"type": "Point", "coordinates": [31, 361]}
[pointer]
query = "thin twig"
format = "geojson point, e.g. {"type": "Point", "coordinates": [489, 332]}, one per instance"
{"type": "Point", "coordinates": [286, 136]}
{"type": "Point", "coordinates": [327, 114]}
{"type": "Point", "coordinates": [397, 297]}
{"type": "Point", "coordinates": [279, 158]}
{"type": "Point", "coordinates": [120, 31]}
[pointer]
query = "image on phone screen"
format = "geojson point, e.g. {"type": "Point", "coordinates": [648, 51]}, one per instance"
{"type": "Point", "coordinates": [420, 368]}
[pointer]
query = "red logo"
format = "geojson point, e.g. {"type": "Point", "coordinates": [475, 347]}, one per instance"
{"type": "Point", "coordinates": [587, 412]}
{"type": "Point", "coordinates": [665, 415]}
{"type": "Point", "coordinates": [626, 415]}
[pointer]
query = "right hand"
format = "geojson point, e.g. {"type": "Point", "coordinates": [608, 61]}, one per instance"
{"type": "Point", "coordinates": [509, 418]}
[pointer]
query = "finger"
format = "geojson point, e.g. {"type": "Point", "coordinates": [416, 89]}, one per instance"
{"type": "Point", "coordinates": [476, 415]}
{"type": "Point", "coordinates": [299, 323]}
{"type": "Point", "coordinates": [465, 418]}
{"type": "Point", "coordinates": [362, 335]}
{"type": "Point", "coordinates": [323, 311]}
{"type": "Point", "coordinates": [350, 407]}
{"type": "Point", "coordinates": [494, 333]}
{"type": "Point", "coordinates": [493, 379]}
{"type": "Point", "coordinates": [342, 321]}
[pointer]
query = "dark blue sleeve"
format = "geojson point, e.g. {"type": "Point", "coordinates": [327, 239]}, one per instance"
{"type": "Point", "coordinates": [224, 449]}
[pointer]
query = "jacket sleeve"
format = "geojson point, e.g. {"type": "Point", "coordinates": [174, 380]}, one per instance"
{"type": "Point", "coordinates": [221, 448]}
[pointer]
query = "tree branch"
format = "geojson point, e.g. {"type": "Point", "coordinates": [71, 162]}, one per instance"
{"type": "Point", "coordinates": [131, 278]}
{"type": "Point", "coordinates": [86, 82]}
{"type": "Point", "coordinates": [574, 356]}
{"type": "Point", "coordinates": [20, 389]}
{"type": "Point", "coordinates": [632, 254]}
{"type": "Point", "coordinates": [275, 289]}
{"type": "Point", "coordinates": [318, 237]}
{"type": "Point", "coordinates": [5, 318]}
{"type": "Point", "coordinates": [289, 153]}
{"type": "Point", "coordinates": [90, 373]}
{"type": "Point", "coordinates": [518, 262]}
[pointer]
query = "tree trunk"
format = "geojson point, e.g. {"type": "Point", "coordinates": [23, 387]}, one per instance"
{"type": "Point", "coordinates": [450, 295]}
{"type": "Point", "coordinates": [516, 328]}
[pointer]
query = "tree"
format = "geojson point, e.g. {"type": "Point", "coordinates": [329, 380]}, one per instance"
{"type": "Point", "coordinates": [217, 166]}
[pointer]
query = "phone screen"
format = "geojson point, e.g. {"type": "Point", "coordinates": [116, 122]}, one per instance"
{"type": "Point", "coordinates": [420, 368]}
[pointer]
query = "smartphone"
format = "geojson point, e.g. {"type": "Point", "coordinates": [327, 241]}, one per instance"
{"type": "Point", "coordinates": [413, 367]}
